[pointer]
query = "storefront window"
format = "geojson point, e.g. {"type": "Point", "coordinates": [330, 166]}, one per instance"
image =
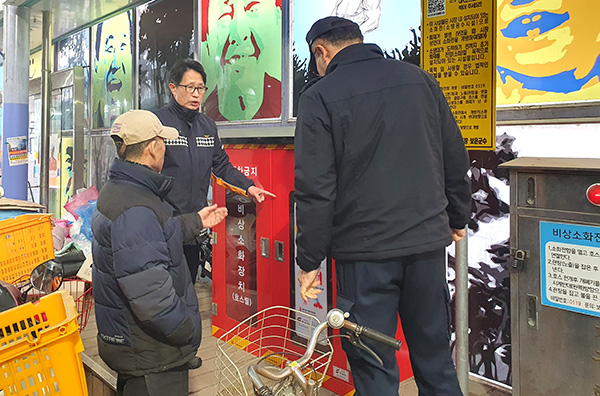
{"type": "Point", "coordinates": [166, 35]}
{"type": "Point", "coordinates": [73, 51]}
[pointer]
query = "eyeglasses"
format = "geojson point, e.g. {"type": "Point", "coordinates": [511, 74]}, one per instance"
{"type": "Point", "coordinates": [191, 89]}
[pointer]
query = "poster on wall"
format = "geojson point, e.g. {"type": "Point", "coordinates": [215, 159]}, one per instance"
{"type": "Point", "coordinates": [241, 53]}
{"type": "Point", "coordinates": [17, 150]}
{"type": "Point", "coordinates": [54, 161]}
{"type": "Point", "coordinates": [319, 305]}
{"type": "Point", "coordinates": [165, 35]}
{"type": "Point", "coordinates": [458, 50]}
{"type": "Point", "coordinates": [35, 65]}
{"type": "Point", "coordinates": [111, 69]}
{"type": "Point", "coordinates": [570, 267]}
{"type": "Point", "coordinates": [66, 174]}
{"type": "Point", "coordinates": [548, 51]}
{"type": "Point", "coordinates": [391, 24]}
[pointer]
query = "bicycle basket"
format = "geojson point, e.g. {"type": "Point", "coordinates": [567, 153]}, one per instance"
{"type": "Point", "coordinates": [273, 336]}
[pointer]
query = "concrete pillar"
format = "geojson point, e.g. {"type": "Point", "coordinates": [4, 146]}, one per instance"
{"type": "Point", "coordinates": [15, 121]}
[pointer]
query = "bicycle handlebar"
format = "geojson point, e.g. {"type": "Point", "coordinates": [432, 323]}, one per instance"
{"type": "Point", "coordinates": [335, 319]}
{"type": "Point", "coordinates": [374, 335]}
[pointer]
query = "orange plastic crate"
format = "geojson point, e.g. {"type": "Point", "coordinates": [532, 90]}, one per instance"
{"type": "Point", "coordinates": [40, 348]}
{"type": "Point", "coordinates": [25, 242]}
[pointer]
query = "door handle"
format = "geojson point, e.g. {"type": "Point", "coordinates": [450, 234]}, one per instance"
{"type": "Point", "coordinates": [264, 247]}
{"type": "Point", "coordinates": [279, 251]}
{"type": "Point", "coordinates": [532, 312]}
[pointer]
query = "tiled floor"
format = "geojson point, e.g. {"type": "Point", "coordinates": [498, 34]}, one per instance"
{"type": "Point", "coordinates": [202, 379]}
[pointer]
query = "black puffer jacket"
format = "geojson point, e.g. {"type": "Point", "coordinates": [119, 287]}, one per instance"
{"type": "Point", "coordinates": [381, 168]}
{"type": "Point", "coordinates": [192, 157]}
{"type": "Point", "coordinates": [146, 307]}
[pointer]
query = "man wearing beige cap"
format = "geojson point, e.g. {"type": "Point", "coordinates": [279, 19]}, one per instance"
{"type": "Point", "coordinates": [149, 326]}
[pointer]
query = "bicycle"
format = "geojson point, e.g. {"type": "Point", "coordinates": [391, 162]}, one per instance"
{"type": "Point", "coordinates": [281, 351]}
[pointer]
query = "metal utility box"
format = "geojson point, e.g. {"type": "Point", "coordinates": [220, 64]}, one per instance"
{"type": "Point", "coordinates": [555, 278]}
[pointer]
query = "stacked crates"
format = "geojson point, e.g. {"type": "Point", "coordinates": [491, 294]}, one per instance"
{"type": "Point", "coordinates": [40, 348]}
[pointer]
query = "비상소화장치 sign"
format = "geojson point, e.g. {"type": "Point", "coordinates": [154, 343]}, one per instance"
{"type": "Point", "coordinates": [570, 267]}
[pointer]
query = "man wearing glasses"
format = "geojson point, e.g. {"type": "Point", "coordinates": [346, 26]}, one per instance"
{"type": "Point", "coordinates": [197, 152]}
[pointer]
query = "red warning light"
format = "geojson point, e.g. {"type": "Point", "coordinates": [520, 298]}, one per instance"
{"type": "Point", "coordinates": [593, 194]}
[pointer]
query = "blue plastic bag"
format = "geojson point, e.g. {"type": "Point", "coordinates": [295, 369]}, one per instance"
{"type": "Point", "coordinates": [85, 212]}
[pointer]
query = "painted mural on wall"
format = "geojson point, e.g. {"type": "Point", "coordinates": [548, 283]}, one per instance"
{"type": "Point", "coordinates": [241, 53]}
{"type": "Point", "coordinates": [488, 257]}
{"type": "Point", "coordinates": [548, 51]}
{"type": "Point", "coordinates": [54, 162]}
{"type": "Point", "coordinates": [391, 24]}
{"type": "Point", "coordinates": [165, 35]}
{"type": "Point", "coordinates": [111, 69]}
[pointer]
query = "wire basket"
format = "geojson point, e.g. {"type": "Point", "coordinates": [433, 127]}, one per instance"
{"type": "Point", "coordinates": [79, 289]}
{"type": "Point", "coordinates": [272, 336]}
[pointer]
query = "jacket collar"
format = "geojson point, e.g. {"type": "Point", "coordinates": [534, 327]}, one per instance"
{"type": "Point", "coordinates": [131, 172]}
{"type": "Point", "coordinates": [354, 53]}
{"type": "Point", "coordinates": [182, 112]}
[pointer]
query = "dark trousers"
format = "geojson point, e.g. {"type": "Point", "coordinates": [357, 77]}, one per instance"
{"type": "Point", "coordinates": [414, 287]}
{"type": "Point", "coordinates": [192, 256]}
{"type": "Point", "coordinates": [172, 383]}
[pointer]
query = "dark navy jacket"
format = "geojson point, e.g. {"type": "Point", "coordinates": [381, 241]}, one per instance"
{"type": "Point", "coordinates": [380, 163]}
{"type": "Point", "coordinates": [146, 307]}
{"type": "Point", "coordinates": [192, 157]}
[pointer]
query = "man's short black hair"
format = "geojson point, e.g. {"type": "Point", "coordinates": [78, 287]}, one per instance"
{"type": "Point", "coordinates": [180, 67]}
{"type": "Point", "coordinates": [342, 35]}
{"type": "Point", "coordinates": [333, 30]}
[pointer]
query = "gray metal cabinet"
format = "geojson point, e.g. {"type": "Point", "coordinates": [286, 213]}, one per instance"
{"type": "Point", "coordinates": [555, 279]}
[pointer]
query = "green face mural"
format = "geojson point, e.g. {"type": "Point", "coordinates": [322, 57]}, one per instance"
{"type": "Point", "coordinates": [241, 53]}
{"type": "Point", "coordinates": [111, 71]}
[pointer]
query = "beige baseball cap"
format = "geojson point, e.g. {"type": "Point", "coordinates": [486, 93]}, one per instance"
{"type": "Point", "coordinates": [137, 126]}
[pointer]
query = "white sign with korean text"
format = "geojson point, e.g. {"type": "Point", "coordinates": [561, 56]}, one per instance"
{"type": "Point", "coordinates": [570, 267]}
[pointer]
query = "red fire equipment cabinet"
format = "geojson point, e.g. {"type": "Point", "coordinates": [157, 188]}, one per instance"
{"type": "Point", "coordinates": [254, 250]}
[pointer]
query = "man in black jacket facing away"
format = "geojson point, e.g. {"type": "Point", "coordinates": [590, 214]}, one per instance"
{"type": "Point", "coordinates": [381, 181]}
{"type": "Point", "coordinates": [149, 326]}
